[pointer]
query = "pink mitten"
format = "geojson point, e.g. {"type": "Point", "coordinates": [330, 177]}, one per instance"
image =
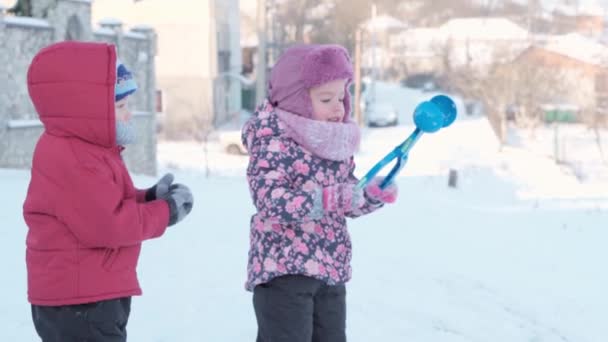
{"type": "Point", "coordinates": [386, 195]}
{"type": "Point", "coordinates": [342, 197]}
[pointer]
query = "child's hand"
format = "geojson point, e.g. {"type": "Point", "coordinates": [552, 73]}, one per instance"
{"type": "Point", "coordinates": [160, 189]}
{"type": "Point", "coordinates": [180, 202]}
{"type": "Point", "coordinates": [386, 195]}
{"type": "Point", "coordinates": [342, 197]}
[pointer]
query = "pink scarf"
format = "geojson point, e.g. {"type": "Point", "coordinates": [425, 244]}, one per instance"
{"type": "Point", "coordinates": [336, 141]}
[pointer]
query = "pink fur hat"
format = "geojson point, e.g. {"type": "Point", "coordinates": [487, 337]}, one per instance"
{"type": "Point", "coordinates": [303, 67]}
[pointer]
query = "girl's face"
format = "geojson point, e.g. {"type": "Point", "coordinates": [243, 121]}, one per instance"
{"type": "Point", "coordinates": [123, 114]}
{"type": "Point", "coordinates": [328, 101]}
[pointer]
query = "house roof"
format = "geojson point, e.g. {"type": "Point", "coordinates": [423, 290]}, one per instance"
{"type": "Point", "coordinates": [486, 28]}
{"type": "Point", "coordinates": [491, 33]}
{"type": "Point", "coordinates": [580, 7]}
{"type": "Point", "coordinates": [417, 41]}
{"type": "Point", "coordinates": [384, 22]}
{"type": "Point", "coordinates": [417, 35]}
{"type": "Point", "coordinates": [579, 47]}
{"type": "Point", "coordinates": [589, 7]}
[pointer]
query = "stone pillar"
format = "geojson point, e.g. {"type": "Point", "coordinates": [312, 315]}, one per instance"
{"type": "Point", "coordinates": [150, 87]}
{"type": "Point", "coordinates": [71, 19]}
{"type": "Point", "coordinates": [41, 8]}
{"type": "Point", "coordinates": [3, 58]}
{"type": "Point", "coordinates": [2, 14]}
{"type": "Point", "coordinates": [149, 56]}
{"type": "Point", "coordinates": [114, 25]}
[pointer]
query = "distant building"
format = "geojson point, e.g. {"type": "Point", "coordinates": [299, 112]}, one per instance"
{"type": "Point", "coordinates": [378, 52]}
{"type": "Point", "coordinates": [579, 61]}
{"type": "Point", "coordinates": [586, 18]}
{"type": "Point", "coordinates": [480, 42]}
{"type": "Point", "coordinates": [418, 50]}
{"type": "Point", "coordinates": [199, 58]}
{"type": "Point", "coordinates": [475, 43]}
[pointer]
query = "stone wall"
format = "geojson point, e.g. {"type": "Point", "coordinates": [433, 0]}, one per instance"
{"type": "Point", "coordinates": [21, 38]}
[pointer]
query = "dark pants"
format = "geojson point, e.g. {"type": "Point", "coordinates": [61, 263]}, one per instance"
{"type": "Point", "coordinates": [296, 308]}
{"type": "Point", "coordinates": [104, 321]}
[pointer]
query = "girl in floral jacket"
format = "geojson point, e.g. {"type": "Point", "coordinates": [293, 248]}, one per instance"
{"type": "Point", "coordinates": [301, 143]}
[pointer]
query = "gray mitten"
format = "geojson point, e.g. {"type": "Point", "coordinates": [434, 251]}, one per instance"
{"type": "Point", "coordinates": [160, 189]}
{"type": "Point", "coordinates": [180, 202]}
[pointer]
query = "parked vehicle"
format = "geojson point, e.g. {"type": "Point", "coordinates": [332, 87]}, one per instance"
{"type": "Point", "coordinates": [230, 140]}
{"type": "Point", "coordinates": [423, 81]}
{"type": "Point", "coordinates": [229, 134]}
{"type": "Point", "coordinates": [381, 114]}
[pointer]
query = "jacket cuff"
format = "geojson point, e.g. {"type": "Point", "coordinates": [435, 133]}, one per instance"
{"type": "Point", "coordinates": [151, 194]}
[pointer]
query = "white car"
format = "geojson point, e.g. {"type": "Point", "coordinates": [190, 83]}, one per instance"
{"type": "Point", "coordinates": [230, 140]}
{"type": "Point", "coordinates": [229, 134]}
{"type": "Point", "coordinates": [381, 114]}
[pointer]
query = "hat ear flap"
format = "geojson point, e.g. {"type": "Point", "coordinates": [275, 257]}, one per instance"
{"type": "Point", "coordinates": [347, 98]}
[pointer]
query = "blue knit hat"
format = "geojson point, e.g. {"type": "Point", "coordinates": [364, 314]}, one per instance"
{"type": "Point", "coordinates": [125, 84]}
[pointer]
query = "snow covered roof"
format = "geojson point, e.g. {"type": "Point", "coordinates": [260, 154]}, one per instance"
{"type": "Point", "coordinates": [110, 22]}
{"type": "Point", "coordinates": [580, 7]}
{"type": "Point", "coordinates": [416, 36]}
{"type": "Point", "coordinates": [24, 123]}
{"type": "Point", "coordinates": [135, 35]}
{"type": "Point", "coordinates": [487, 28]}
{"type": "Point", "coordinates": [420, 33]}
{"type": "Point", "coordinates": [591, 8]}
{"type": "Point", "coordinates": [105, 31]}
{"type": "Point", "coordinates": [384, 22]}
{"type": "Point", "coordinates": [26, 22]}
{"type": "Point", "coordinates": [142, 27]}
{"type": "Point", "coordinates": [560, 106]}
{"type": "Point", "coordinates": [578, 47]}
{"type": "Point", "coordinates": [82, 1]}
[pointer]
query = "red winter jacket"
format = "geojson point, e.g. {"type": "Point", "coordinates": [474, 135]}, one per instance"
{"type": "Point", "coordinates": [86, 220]}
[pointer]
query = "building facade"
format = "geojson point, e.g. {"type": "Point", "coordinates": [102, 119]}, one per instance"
{"type": "Point", "coordinates": [198, 61]}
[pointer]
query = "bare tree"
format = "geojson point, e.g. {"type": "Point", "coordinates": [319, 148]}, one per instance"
{"type": "Point", "coordinates": [331, 21]}
{"type": "Point", "coordinates": [291, 18]}
{"type": "Point", "coordinates": [600, 117]}
{"type": "Point", "coordinates": [436, 12]}
{"type": "Point", "coordinates": [520, 86]}
{"type": "Point", "coordinates": [342, 23]}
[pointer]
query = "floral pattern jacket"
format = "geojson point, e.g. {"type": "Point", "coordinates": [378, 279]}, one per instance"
{"type": "Point", "coordinates": [290, 232]}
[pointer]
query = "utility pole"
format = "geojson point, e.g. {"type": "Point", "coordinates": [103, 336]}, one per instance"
{"type": "Point", "coordinates": [260, 90]}
{"type": "Point", "coordinates": [357, 104]}
{"type": "Point", "coordinates": [529, 17]}
{"type": "Point", "coordinates": [374, 74]}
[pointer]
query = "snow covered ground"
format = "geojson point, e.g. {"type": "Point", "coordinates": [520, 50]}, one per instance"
{"type": "Point", "coordinates": [515, 253]}
{"type": "Point", "coordinates": [580, 149]}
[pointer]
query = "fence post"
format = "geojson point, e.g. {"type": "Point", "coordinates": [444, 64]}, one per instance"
{"type": "Point", "coordinates": [453, 179]}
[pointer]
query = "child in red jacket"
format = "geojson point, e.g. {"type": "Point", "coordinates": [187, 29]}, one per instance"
{"type": "Point", "coordinates": [86, 221]}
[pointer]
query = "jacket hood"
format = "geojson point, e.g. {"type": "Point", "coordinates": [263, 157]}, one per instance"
{"type": "Point", "coordinates": [72, 86]}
